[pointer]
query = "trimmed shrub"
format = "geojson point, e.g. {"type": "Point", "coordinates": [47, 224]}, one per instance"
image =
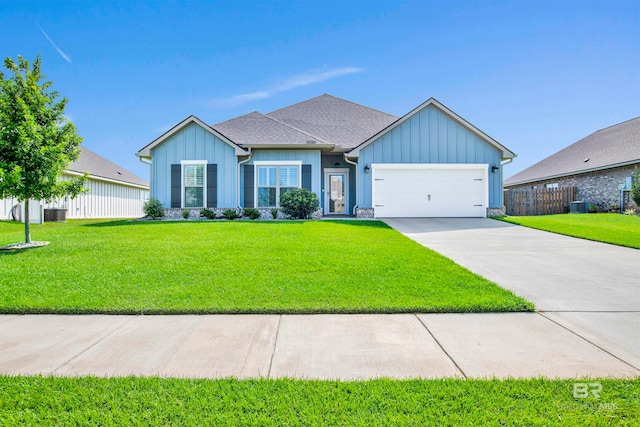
{"type": "Point", "coordinates": [153, 208]}
{"type": "Point", "coordinates": [185, 213]}
{"type": "Point", "coordinates": [274, 213]}
{"type": "Point", "coordinates": [251, 213]}
{"type": "Point", "coordinates": [299, 204]}
{"type": "Point", "coordinates": [230, 214]}
{"type": "Point", "coordinates": [208, 213]}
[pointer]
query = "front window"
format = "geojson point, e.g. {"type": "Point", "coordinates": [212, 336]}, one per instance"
{"type": "Point", "coordinates": [274, 181]}
{"type": "Point", "coordinates": [193, 181]}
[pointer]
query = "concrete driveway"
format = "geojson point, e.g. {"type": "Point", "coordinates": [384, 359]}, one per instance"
{"type": "Point", "coordinates": [590, 288]}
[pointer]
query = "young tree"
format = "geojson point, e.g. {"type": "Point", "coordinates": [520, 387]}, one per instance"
{"type": "Point", "coordinates": [36, 141]}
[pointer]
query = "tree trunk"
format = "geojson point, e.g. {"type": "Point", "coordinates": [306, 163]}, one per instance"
{"type": "Point", "coordinates": [27, 228]}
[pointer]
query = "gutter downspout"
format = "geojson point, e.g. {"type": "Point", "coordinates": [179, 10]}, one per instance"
{"type": "Point", "coordinates": [502, 173]}
{"type": "Point", "coordinates": [240, 164]}
{"type": "Point", "coordinates": [147, 162]}
{"type": "Point", "coordinates": [357, 181]}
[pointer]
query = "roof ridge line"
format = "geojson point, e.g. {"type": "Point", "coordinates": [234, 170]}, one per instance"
{"type": "Point", "coordinates": [335, 97]}
{"type": "Point", "coordinates": [617, 124]}
{"type": "Point", "coordinates": [296, 129]}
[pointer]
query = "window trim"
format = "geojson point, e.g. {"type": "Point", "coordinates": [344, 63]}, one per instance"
{"type": "Point", "coordinates": [277, 163]}
{"type": "Point", "coordinates": [202, 163]}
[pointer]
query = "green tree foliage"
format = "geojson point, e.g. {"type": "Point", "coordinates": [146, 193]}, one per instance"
{"type": "Point", "coordinates": [299, 203]}
{"type": "Point", "coordinates": [635, 188]}
{"type": "Point", "coordinates": [36, 141]}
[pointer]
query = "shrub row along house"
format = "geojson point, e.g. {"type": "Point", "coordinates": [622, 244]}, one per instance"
{"type": "Point", "coordinates": [601, 166]}
{"type": "Point", "coordinates": [359, 161]}
{"type": "Point", "coordinates": [112, 192]}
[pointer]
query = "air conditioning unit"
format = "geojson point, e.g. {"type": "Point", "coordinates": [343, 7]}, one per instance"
{"type": "Point", "coordinates": [579, 207]}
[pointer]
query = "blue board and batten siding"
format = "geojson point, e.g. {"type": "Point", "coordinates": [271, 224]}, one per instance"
{"type": "Point", "coordinates": [430, 136]}
{"type": "Point", "coordinates": [307, 157]}
{"type": "Point", "coordinates": [195, 143]}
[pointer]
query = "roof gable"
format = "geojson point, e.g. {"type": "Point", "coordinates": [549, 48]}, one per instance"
{"type": "Point", "coordinates": [334, 120]}
{"type": "Point", "coordinates": [99, 167]}
{"type": "Point", "coordinates": [506, 153]}
{"type": "Point", "coordinates": [613, 146]}
{"type": "Point", "coordinates": [146, 150]}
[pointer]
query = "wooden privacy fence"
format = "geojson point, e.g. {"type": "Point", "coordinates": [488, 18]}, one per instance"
{"type": "Point", "coordinates": [539, 201]}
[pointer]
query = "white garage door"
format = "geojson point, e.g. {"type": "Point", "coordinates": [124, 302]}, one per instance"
{"type": "Point", "coordinates": [429, 190]}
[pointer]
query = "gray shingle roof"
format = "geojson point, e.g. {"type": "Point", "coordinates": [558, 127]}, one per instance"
{"type": "Point", "coordinates": [608, 147]}
{"type": "Point", "coordinates": [334, 120]}
{"type": "Point", "coordinates": [98, 166]}
{"type": "Point", "coordinates": [256, 128]}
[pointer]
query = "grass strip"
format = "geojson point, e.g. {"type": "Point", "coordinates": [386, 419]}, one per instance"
{"type": "Point", "coordinates": [136, 401]}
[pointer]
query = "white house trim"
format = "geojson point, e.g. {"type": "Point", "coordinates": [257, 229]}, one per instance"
{"type": "Point", "coordinates": [203, 163]}
{"type": "Point", "coordinates": [327, 189]}
{"type": "Point", "coordinates": [146, 150]}
{"type": "Point", "coordinates": [258, 163]}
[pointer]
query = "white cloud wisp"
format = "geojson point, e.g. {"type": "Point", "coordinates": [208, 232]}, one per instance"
{"type": "Point", "coordinates": [304, 79]}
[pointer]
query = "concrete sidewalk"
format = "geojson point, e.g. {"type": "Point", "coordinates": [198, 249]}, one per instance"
{"type": "Point", "coordinates": [311, 346]}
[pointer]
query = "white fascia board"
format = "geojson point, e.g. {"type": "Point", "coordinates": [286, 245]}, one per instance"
{"type": "Point", "coordinates": [457, 166]}
{"type": "Point", "coordinates": [113, 181]}
{"type": "Point", "coordinates": [277, 162]}
{"type": "Point", "coordinates": [146, 150]}
{"type": "Point", "coordinates": [322, 147]}
{"type": "Point", "coordinates": [506, 153]}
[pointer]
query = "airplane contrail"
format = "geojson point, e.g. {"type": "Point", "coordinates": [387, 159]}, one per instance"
{"type": "Point", "coordinates": [64, 55]}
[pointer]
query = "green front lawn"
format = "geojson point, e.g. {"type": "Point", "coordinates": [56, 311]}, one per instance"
{"type": "Point", "coordinates": [235, 267]}
{"type": "Point", "coordinates": [623, 230]}
{"type": "Point", "coordinates": [132, 401]}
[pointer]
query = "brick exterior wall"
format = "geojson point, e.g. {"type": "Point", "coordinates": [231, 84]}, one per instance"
{"type": "Point", "coordinates": [600, 187]}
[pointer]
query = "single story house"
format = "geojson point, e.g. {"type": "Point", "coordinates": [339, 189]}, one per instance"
{"type": "Point", "coordinates": [113, 192]}
{"type": "Point", "coordinates": [599, 165]}
{"type": "Point", "coordinates": [359, 161]}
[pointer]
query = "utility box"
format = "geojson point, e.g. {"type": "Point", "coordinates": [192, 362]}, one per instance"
{"type": "Point", "coordinates": [576, 207]}
{"type": "Point", "coordinates": [55, 215]}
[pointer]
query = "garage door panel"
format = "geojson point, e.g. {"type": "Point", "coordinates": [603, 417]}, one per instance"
{"type": "Point", "coordinates": [430, 192]}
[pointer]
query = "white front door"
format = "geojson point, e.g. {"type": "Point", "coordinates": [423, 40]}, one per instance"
{"type": "Point", "coordinates": [336, 191]}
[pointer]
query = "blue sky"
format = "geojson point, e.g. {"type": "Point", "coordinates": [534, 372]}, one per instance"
{"type": "Point", "coordinates": [536, 76]}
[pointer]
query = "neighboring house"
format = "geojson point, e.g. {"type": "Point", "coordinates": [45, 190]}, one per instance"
{"type": "Point", "coordinates": [113, 192]}
{"type": "Point", "coordinates": [597, 165]}
{"type": "Point", "coordinates": [359, 161]}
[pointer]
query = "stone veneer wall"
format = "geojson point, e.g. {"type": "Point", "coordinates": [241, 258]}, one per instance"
{"type": "Point", "coordinates": [364, 213]}
{"type": "Point", "coordinates": [599, 187]}
{"type": "Point", "coordinates": [194, 213]}
{"type": "Point", "coordinates": [497, 211]}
